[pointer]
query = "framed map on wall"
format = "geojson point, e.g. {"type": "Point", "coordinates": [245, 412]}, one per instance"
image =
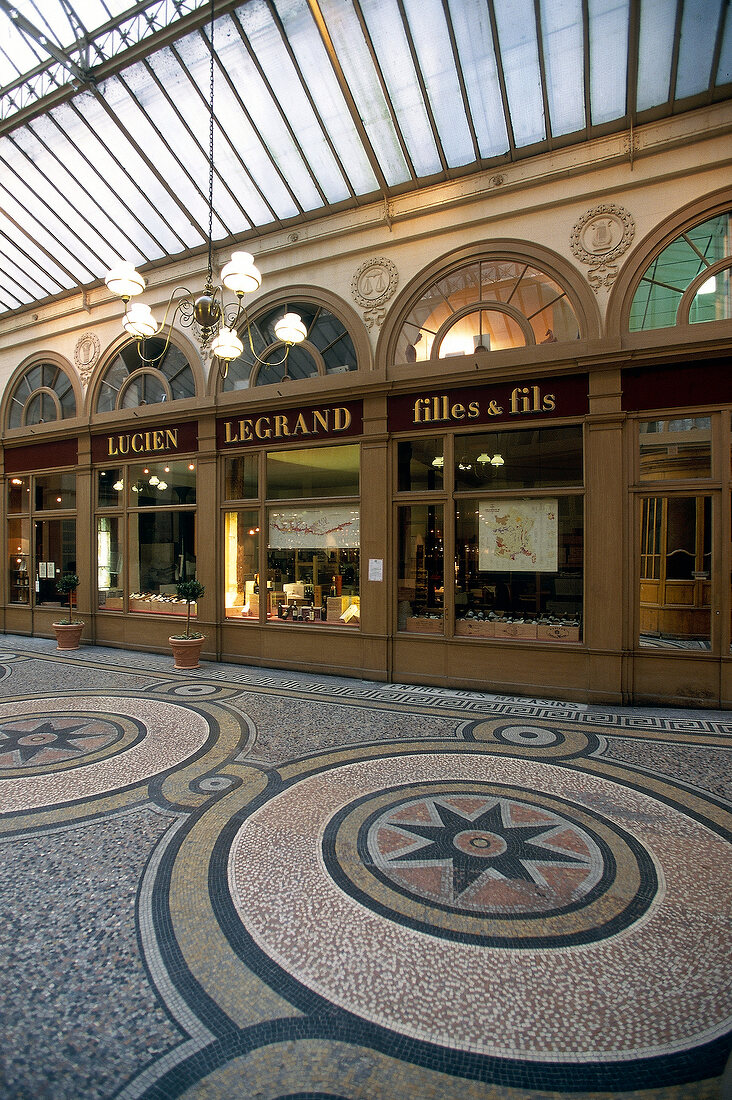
{"type": "Point", "coordinates": [330, 528]}
{"type": "Point", "coordinates": [519, 535]}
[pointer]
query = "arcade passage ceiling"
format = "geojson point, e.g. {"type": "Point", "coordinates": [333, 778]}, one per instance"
{"type": "Point", "coordinates": [320, 105]}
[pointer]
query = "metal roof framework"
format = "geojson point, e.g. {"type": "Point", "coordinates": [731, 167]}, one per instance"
{"type": "Point", "coordinates": [320, 105]}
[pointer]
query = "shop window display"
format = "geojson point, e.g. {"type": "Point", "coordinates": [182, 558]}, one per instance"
{"type": "Point", "coordinates": [152, 502]}
{"type": "Point", "coordinates": [519, 567]}
{"type": "Point", "coordinates": [241, 564]}
{"type": "Point", "coordinates": [40, 549]}
{"type": "Point", "coordinates": [421, 574]}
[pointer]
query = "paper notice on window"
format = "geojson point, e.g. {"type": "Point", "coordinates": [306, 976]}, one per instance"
{"type": "Point", "coordinates": [376, 569]}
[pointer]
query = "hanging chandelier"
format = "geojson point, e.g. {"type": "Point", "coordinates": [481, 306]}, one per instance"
{"type": "Point", "coordinates": [215, 323]}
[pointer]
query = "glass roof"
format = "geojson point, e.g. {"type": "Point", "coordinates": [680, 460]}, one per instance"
{"type": "Point", "coordinates": [319, 104]}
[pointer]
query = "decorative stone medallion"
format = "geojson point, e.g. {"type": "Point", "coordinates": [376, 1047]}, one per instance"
{"type": "Point", "coordinates": [599, 238]}
{"type": "Point", "coordinates": [372, 286]}
{"type": "Point", "coordinates": [86, 355]}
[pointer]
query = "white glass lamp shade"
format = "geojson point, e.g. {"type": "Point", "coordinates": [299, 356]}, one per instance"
{"type": "Point", "coordinates": [138, 321]}
{"type": "Point", "coordinates": [124, 280]}
{"type": "Point", "coordinates": [240, 274]}
{"type": "Point", "coordinates": [227, 344]}
{"type": "Point", "coordinates": [498, 460]}
{"type": "Point", "coordinates": [290, 329]}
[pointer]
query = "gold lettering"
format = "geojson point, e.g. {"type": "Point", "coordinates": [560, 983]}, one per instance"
{"type": "Point", "coordinates": [320, 418]}
{"type": "Point", "coordinates": [549, 402]}
{"type": "Point", "coordinates": [171, 436]}
{"type": "Point", "coordinates": [341, 419]}
{"type": "Point", "coordinates": [262, 428]}
{"type": "Point", "coordinates": [230, 434]}
{"type": "Point", "coordinates": [136, 442]}
{"type": "Point", "coordinates": [300, 426]}
{"type": "Point", "coordinates": [112, 446]}
{"type": "Point", "coordinates": [473, 409]}
{"type": "Point", "coordinates": [281, 426]}
{"type": "Point", "coordinates": [457, 412]}
{"type": "Point", "coordinates": [158, 440]}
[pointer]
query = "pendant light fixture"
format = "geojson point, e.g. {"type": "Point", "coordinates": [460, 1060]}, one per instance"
{"type": "Point", "coordinates": [215, 324]}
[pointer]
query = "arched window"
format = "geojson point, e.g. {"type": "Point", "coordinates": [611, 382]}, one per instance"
{"type": "Point", "coordinates": [128, 382]}
{"type": "Point", "coordinates": [689, 281]}
{"type": "Point", "coordinates": [327, 349]}
{"type": "Point", "coordinates": [487, 304]}
{"type": "Point", "coordinates": [43, 393]}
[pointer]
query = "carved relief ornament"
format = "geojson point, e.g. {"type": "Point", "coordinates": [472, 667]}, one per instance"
{"type": "Point", "coordinates": [372, 286]}
{"type": "Point", "coordinates": [599, 239]}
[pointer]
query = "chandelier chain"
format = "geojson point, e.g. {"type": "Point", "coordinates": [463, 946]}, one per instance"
{"type": "Point", "coordinates": [211, 151]}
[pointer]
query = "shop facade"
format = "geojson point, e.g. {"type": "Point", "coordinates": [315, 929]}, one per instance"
{"type": "Point", "coordinates": [511, 484]}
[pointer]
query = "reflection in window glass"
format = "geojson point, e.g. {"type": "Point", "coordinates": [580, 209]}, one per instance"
{"type": "Point", "coordinates": [519, 567]}
{"type": "Point", "coordinates": [662, 286]}
{"type": "Point", "coordinates": [532, 294]}
{"type": "Point", "coordinates": [162, 553]}
{"type": "Point", "coordinates": [18, 494]}
{"type": "Point", "coordinates": [110, 583]}
{"type": "Point", "coordinates": [315, 472]}
{"type": "Point", "coordinates": [420, 464]}
{"type": "Point", "coordinates": [713, 300]}
{"type": "Point", "coordinates": [110, 485]}
{"type": "Point", "coordinates": [170, 379]}
{"type": "Point", "coordinates": [54, 491]}
{"type": "Point", "coordinates": [676, 578]}
{"type": "Point", "coordinates": [42, 395]}
{"type": "Point", "coordinates": [421, 573]}
{"type": "Point", "coordinates": [241, 565]}
{"type": "Point", "coordinates": [240, 477]}
{"type": "Point", "coordinates": [158, 483]}
{"type": "Point", "coordinates": [675, 448]}
{"type": "Point", "coordinates": [516, 459]}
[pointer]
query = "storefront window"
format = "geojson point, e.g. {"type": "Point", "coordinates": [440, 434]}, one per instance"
{"type": "Point", "coordinates": [42, 395]}
{"type": "Point", "coordinates": [128, 383]}
{"type": "Point", "coordinates": [159, 547]}
{"type": "Point", "coordinates": [55, 491]}
{"type": "Point", "coordinates": [241, 564]}
{"type": "Point", "coordinates": [162, 552]}
{"type": "Point", "coordinates": [40, 549]}
{"type": "Point", "coordinates": [420, 575]}
{"type": "Point", "coordinates": [315, 472]}
{"type": "Point", "coordinates": [675, 448]}
{"type": "Point", "coordinates": [420, 465]}
{"type": "Point", "coordinates": [519, 459]}
{"type": "Point", "coordinates": [20, 564]}
{"type": "Point", "coordinates": [55, 554]}
{"type": "Point", "coordinates": [240, 477]}
{"type": "Point", "coordinates": [676, 572]}
{"type": "Point", "coordinates": [519, 567]}
{"type": "Point", "coordinates": [110, 571]}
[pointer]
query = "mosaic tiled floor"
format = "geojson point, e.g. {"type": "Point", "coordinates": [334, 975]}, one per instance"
{"type": "Point", "coordinates": [234, 882]}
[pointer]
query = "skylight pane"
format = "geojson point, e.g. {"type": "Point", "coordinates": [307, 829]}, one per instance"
{"type": "Point", "coordinates": [655, 52]}
{"type": "Point", "coordinates": [34, 259]}
{"type": "Point", "coordinates": [724, 69]}
{"type": "Point", "coordinates": [363, 84]}
{"type": "Point", "coordinates": [389, 39]}
{"type": "Point", "coordinates": [272, 131]}
{"type": "Point", "coordinates": [16, 56]}
{"type": "Point", "coordinates": [41, 223]}
{"type": "Point", "coordinates": [266, 41]}
{"type": "Point", "coordinates": [608, 59]}
{"type": "Point", "coordinates": [696, 48]}
{"type": "Point", "coordinates": [430, 35]}
{"type": "Point", "coordinates": [130, 176]}
{"type": "Point", "coordinates": [474, 40]}
{"type": "Point", "coordinates": [520, 56]}
{"type": "Point", "coordinates": [126, 190]}
{"type": "Point", "coordinates": [260, 190]}
{"type": "Point", "coordinates": [562, 42]}
{"type": "Point", "coordinates": [318, 74]}
{"type": "Point", "coordinates": [82, 212]}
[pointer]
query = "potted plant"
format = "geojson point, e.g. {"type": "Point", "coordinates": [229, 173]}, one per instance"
{"type": "Point", "coordinates": [187, 647]}
{"type": "Point", "coordinates": [68, 631]}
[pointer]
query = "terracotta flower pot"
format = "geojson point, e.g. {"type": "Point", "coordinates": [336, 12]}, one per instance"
{"type": "Point", "coordinates": [68, 635]}
{"type": "Point", "coordinates": [186, 651]}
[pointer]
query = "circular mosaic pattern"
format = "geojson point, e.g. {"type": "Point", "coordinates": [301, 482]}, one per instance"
{"type": "Point", "coordinates": [91, 746]}
{"type": "Point", "coordinates": [536, 736]}
{"type": "Point", "coordinates": [320, 893]}
{"type": "Point", "coordinates": [492, 867]}
{"type": "Point", "coordinates": [33, 743]}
